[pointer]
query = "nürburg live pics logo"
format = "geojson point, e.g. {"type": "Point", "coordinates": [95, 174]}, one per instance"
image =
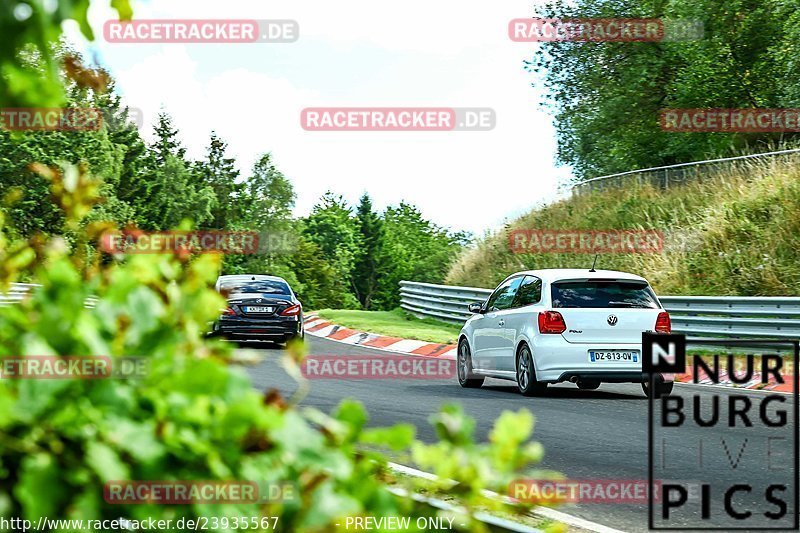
{"type": "Point", "coordinates": [725, 456]}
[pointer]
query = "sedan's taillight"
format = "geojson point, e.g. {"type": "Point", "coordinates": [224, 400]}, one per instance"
{"type": "Point", "coordinates": [551, 322]}
{"type": "Point", "coordinates": [229, 312]}
{"type": "Point", "coordinates": [292, 310]}
{"type": "Point", "coordinates": [663, 323]}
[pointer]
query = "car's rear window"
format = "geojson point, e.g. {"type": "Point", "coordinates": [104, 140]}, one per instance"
{"type": "Point", "coordinates": [263, 287]}
{"type": "Point", "coordinates": [604, 293]}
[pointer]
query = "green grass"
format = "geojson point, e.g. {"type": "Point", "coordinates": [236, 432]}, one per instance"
{"type": "Point", "coordinates": [737, 233]}
{"type": "Point", "coordinates": [396, 323]}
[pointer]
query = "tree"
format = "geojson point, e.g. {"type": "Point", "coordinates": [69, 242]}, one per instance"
{"type": "Point", "coordinates": [333, 229]}
{"type": "Point", "coordinates": [268, 195]}
{"type": "Point", "coordinates": [167, 143]}
{"type": "Point", "coordinates": [415, 249]}
{"type": "Point", "coordinates": [266, 208]}
{"type": "Point", "coordinates": [219, 172]}
{"type": "Point", "coordinates": [607, 96]}
{"type": "Point", "coordinates": [369, 260]}
{"type": "Point", "coordinates": [319, 285]}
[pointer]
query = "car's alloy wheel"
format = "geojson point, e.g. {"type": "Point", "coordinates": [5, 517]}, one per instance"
{"type": "Point", "coordinates": [662, 388]}
{"type": "Point", "coordinates": [526, 374]}
{"type": "Point", "coordinates": [464, 367]}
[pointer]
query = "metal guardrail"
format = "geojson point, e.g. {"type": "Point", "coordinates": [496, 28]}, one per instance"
{"type": "Point", "coordinates": [664, 177]}
{"type": "Point", "coordinates": [742, 317]}
{"type": "Point", "coordinates": [19, 291]}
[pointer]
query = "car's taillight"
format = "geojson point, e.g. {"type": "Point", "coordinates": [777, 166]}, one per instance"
{"type": "Point", "coordinates": [229, 312]}
{"type": "Point", "coordinates": [292, 310]}
{"type": "Point", "coordinates": [551, 322]}
{"type": "Point", "coordinates": [663, 323]}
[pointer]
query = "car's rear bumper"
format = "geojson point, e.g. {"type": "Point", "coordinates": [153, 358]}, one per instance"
{"type": "Point", "coordinates": [557, 360]}
{"type": "Point", "coordinates": [274, 328]}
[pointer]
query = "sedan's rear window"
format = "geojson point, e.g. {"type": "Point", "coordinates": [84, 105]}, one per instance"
{"type": "Point", "coordinates": [252, 287]}
{"type": "Point", "coordinates": [603, 293]}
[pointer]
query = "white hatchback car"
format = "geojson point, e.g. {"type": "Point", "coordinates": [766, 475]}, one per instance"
{"type": "Point", "coordinates": [549, 326]}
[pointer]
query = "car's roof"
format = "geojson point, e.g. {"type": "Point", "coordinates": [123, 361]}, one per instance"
{"type": "Point", "coordinates": [556, 274]}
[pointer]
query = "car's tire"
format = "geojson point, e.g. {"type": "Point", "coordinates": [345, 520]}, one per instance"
{"type": "Point", "coordinates": [588, 385]}
{"type": "Point", "coordinates": [662, 388]}
{"type": "Point", "coordinates": [526, 374]}
{"type": "Point", "coordinates": [464, 367]}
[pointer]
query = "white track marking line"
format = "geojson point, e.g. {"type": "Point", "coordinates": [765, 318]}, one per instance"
{"type": "Point", "coordinates": [546, 512]}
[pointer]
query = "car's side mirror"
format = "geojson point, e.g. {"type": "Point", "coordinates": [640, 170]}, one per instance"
{"type": "Point", "coordinates": [476, 308]}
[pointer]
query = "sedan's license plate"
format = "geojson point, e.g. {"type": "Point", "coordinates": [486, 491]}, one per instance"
{"type": "Point", "coordinates": [258, 309]}
{"type": "Point", "coordinates": [622, 357]}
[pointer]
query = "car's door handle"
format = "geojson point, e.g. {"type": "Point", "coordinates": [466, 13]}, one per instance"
{"type": "Point", "coordinates": [501, 323]}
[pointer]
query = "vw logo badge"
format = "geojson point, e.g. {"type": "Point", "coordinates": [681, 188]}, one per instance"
{"type": "Point", "coordinates": [612, 320]}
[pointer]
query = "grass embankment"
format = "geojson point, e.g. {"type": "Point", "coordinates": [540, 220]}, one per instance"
{"type": "Point", "coordinates": [735, 234]}
{"type": "Point", "coordinates": [396, 323]}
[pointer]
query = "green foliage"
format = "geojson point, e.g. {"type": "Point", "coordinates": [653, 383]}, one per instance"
{"type": "Point", "coordinates": [736, 234]}
{"type": "Point", "coordinates": [333, 257]}
{"type": "Point", "coordinates": [219, 173]}
{"type": "Point", "coordinates": [416, 249]}
{"type": "Point", "coordinates": [333, 229]}
{"type": "Point", "coordinates": [370, 259]}
{"type": "Point", "coordinates": [607, 96]}
{"type": "Point", "coordinates": [268, 197]}
{"type": "Point", "coordinates": [374, 253]}
{"type": "Point", "coordinates": [320, 284]}
{"type": "Point", "coordinates": [30, 29]}
{"type": "Point", "coordinates": [192, 415]}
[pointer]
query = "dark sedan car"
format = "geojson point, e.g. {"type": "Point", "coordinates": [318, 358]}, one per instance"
{"type": "Point", "coordinates": [259, 308]}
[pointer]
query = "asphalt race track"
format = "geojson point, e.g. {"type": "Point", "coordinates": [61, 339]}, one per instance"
{"type": "Point", "coordinates": [599, 434]}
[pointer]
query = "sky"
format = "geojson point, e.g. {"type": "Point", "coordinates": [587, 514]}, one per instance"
{"type": "Point", "coordinates": [420, 53]}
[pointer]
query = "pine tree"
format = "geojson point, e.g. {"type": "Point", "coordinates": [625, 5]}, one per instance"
{"type": "Point", "coordinates": [369, 259]}
{"type": "Point", "coordinates": [167, 142]}
{"type": "Point", "coordinates": [220, 174]}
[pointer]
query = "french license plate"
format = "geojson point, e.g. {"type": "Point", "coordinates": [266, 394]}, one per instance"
{"type": "Point", "coordinates": [258, 309]}
{"type": "Point", "coordinates": [613, 356]}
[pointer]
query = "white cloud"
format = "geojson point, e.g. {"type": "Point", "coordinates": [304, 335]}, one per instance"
{"type": "Point", "coordinates": [420, 53]}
